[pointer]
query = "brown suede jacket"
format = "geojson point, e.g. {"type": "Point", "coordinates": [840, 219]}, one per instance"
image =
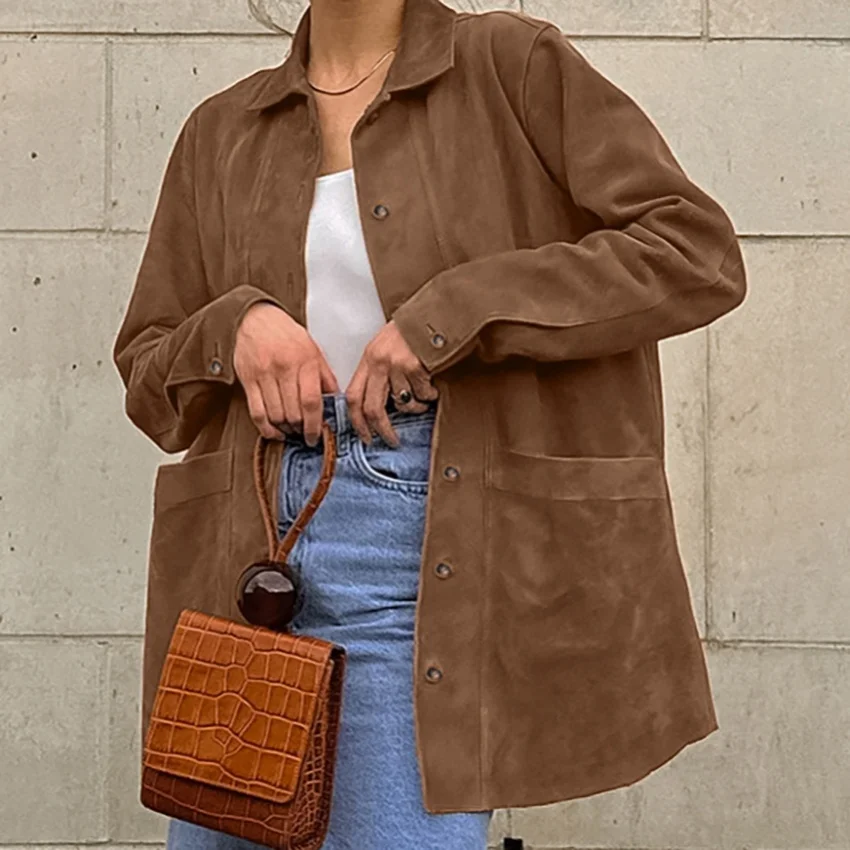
{"type": "Point", "coordinates": [534, 237]}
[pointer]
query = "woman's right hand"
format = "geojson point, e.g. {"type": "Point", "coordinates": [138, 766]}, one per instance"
{"type": "Point", "coordinates": [283, 372]}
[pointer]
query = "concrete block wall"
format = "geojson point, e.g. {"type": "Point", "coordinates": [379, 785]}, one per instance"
{"type": "Point", "coordinates": [752, 96]}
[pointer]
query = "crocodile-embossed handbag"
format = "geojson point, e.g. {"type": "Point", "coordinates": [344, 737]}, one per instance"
{"type": "Point", "coordinates": [243, 730]}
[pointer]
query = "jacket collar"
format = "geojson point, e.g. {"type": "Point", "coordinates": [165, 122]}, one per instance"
{"type": "Point", "coordinates": [425, 50]}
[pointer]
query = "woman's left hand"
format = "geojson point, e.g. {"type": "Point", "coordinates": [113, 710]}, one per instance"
{"type": "Point", "coordinates": [387, 366]}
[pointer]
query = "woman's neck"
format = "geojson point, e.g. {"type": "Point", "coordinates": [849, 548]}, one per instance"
{"type": "Point", "coordinates": [347, 37]}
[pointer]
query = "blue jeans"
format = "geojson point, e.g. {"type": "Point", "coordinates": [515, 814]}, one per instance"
{"type": "Point", "coordinates": [358, 560]}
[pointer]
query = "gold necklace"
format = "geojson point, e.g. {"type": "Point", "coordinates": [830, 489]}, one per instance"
{"type": "Point", "coordinates": [359, 82]}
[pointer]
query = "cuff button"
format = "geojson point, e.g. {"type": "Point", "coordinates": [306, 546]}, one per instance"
{"type": "Point", "coordinates": [216, 366]}
{"type": "Point", "coordinates": [438, 340]}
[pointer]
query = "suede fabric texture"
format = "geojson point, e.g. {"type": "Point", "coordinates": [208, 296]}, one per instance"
{"type": "Point", "coordinates": [533, 237]}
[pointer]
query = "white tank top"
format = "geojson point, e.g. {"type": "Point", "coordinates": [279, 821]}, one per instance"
{"type": "Point", "coordinates": [343, 308]}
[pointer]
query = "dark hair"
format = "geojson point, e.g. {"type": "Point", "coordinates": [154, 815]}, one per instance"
{"type": "Point", "coordinates": [260, 11]}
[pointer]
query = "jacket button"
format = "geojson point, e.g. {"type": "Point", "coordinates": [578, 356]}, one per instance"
{"type": "Point", "coordinates": [443, 570]}
{"type": "Point", "coordinates": [215, 366]}
{"type": "Point", "coordinates": [438, 340]}
{"type": "Point", "coordinates": [434, 674]}
{"type": "Point", "coordinates": [380, 211]}
{"type": "Point", "coordinates": [451, 472]}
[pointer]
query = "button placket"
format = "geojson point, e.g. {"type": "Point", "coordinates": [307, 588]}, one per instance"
{"type": "Point", "coordinates": [443, 570]}
{"type": "Point", "coordinates": [433, 674]}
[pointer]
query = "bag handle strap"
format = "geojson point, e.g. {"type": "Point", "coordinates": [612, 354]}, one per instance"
{"type": "Point", "coordinates": [280, 549]}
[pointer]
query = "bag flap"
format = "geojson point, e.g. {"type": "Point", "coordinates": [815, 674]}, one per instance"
{"type": "Point", "coordinates": [236, 704]}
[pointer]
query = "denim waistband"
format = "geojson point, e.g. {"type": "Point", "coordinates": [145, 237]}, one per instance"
{"type": "Point", "coordinates": [335, 412]}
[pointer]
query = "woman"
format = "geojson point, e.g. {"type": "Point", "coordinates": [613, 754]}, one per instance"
{"type": "Point", "coordinates": [453, 239]}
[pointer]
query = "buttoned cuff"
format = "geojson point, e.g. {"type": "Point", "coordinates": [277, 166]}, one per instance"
{"type": "Point", "coordinates": [207, 353]}
{"type": "Point", "coordinates": [437, 328]}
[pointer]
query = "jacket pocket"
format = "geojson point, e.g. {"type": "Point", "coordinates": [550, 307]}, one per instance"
{"type": "Point", "coordinates": [578, 551]}
{"type": "Point", "coordinates": [192, 513]}
{"type": "Point", "coordinates": [189, 553]}
{"type": "Point", "coordinates": [194, 478]}
{"type": "Point", "coordinates": [577, 478]}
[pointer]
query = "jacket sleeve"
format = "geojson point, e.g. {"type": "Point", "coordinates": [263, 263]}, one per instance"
{"type": "Point", "coordinates": [174, 349]}
{"type": "Point", "coordinates": [663, 260]}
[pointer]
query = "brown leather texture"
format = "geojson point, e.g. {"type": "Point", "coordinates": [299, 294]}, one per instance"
{"type": "Point", "coordinates": [243, 731]}
{"type": "Point", "coordinates": [279, 549]}
{"type": "Point", "coordinates": [243, 734]}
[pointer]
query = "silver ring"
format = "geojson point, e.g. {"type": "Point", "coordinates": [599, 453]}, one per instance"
{"type": "Point", "coordinates": [404, 396]}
